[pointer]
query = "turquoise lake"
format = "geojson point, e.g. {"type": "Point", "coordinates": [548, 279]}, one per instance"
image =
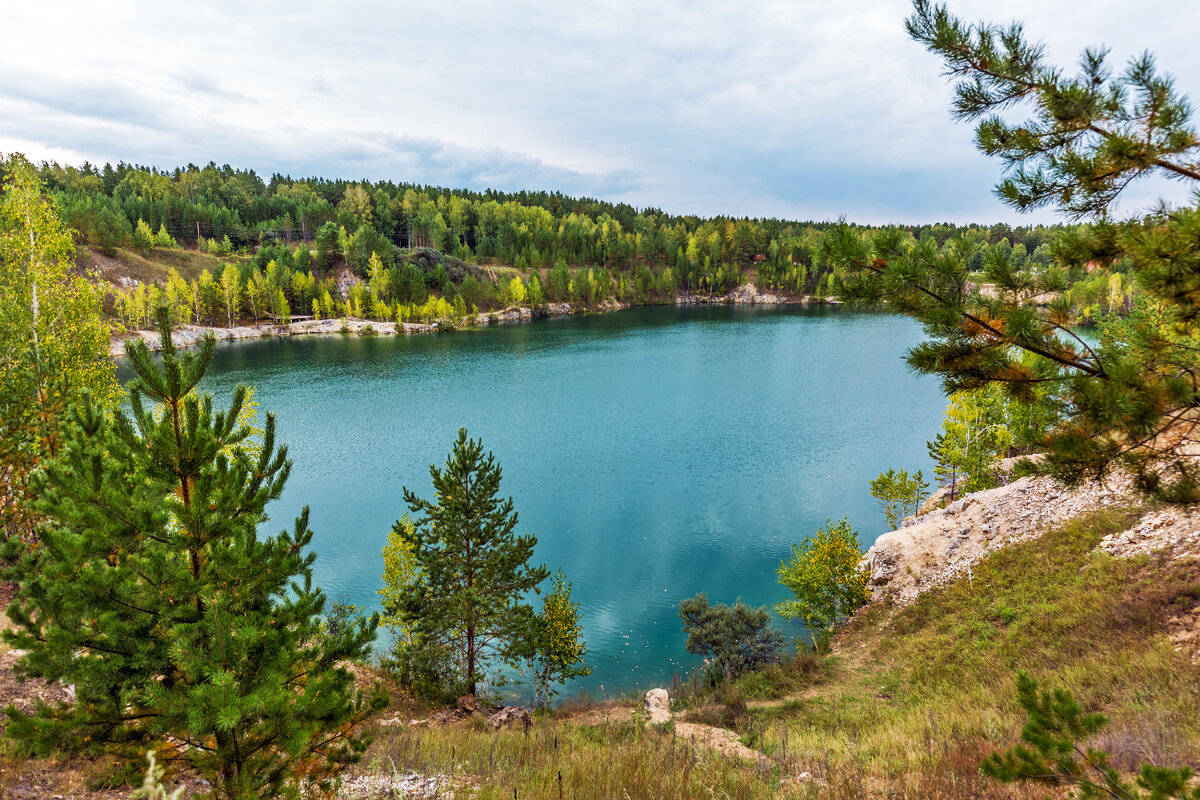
{"type": "Point", "coordinates": [654, 452]}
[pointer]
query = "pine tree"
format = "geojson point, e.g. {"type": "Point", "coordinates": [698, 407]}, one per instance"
{"type": "Point", "coordinates": [1131, 401]}
{"type": "Point", "coordinates": [1053, 753]}
{"type": "Point", "coordinates": [152, 594]}
{"type": "Point", "coordinates": [474, 569]}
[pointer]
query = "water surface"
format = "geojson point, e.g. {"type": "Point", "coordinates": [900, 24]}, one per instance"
{"type": "Point", "coordinates": [655, 452]}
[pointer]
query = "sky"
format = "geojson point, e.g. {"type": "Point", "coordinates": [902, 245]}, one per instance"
{"type": "Point", "coordinates": [803, 110]}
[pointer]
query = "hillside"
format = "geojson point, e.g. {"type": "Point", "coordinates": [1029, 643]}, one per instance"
{"type": "Point", "coordinates": [913, 695]}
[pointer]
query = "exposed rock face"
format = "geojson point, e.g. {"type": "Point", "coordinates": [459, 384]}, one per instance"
{"type": "Point", "coordinates": [746, 294]}
{"type": "Point", "coordinates": [936, 500]}
{"type": "Point", "coordinates": [191, 335]}
{"type": "Point", "coordinates": [518, 314]}
{"type": "Point", "coordinates": [467, 704]}
{"type": "Point", "coordinates": [941, 545]}
{"type": "Point", "coordinates": [658, 704]}
{"type": "Point", "coordinates": [510, 716]}
{"type": "Point", "coordinates": [345, 280]}
{"type": "Point", "coordinates": [1173, 530]}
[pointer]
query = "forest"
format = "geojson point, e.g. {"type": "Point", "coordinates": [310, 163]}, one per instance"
{"type": "Point", "coordinates": [403, 252]}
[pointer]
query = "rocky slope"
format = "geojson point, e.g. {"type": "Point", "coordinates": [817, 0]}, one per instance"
{"type": "Point", "coordinates": [942, 545]}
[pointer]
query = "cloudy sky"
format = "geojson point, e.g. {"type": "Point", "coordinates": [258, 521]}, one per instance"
{"type": "Point", "coordinates": [807, 109]}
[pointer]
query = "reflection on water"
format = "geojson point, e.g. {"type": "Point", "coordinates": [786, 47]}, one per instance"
{"type": "Point", "coordinates": [655, 453]}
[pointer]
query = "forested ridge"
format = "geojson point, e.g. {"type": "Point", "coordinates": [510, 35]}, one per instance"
{"type": "Point", "coordinates": [429, 253]}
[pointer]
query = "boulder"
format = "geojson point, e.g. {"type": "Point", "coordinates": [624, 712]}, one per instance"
{"type": "Point", "coordinates": [466, 704]}
{"type": "Point", "coordinates": [658, 704]}
{"type": "Point", "coordinates": [510, 716]}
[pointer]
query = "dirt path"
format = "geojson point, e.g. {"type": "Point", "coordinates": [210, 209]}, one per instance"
{"type": "Point", "coordinates": [709, 737]}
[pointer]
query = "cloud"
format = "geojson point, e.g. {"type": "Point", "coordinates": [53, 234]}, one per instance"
{"type": "Point", "coordinates": [756, 108]}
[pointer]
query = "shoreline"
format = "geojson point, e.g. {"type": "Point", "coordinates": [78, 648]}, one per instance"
{"type": "Point", "coordinates": [190, 335]}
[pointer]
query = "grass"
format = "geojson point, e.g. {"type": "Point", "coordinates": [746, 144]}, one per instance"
{"type": "Point", "coordinates": [935, 682]}
{"type": "Point", "coordinates": [908, 705]}
{"type": "Point", "coordinates": [155, 266]}
{"type": "Point", "coordinates": [554, 760]}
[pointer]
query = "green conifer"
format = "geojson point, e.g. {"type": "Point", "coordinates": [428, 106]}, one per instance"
{"type": "Point", "coordinates": [474, 569]}
{"type": "Point", "coordinates": [180, 629]}
{"type": "Point", "coordinates": [1131, 401]}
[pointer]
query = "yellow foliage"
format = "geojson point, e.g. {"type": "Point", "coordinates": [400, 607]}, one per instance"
{"type": "Point", "coordinates": [400, 574]}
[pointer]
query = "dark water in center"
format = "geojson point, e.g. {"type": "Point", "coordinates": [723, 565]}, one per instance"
{"type": "Point", "coordinates": [654, 452]}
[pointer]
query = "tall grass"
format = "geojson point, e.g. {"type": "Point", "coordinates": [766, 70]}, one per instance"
{"type": "Point", "coordinates": [907, 707]}
{"type": "Point", "coordinates": [553, 760]}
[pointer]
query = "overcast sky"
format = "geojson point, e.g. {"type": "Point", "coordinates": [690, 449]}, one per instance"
{"type": "Point", "coordinates": [804, 109]}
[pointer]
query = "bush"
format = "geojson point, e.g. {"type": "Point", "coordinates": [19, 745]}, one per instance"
{"type": "Point", "coordinates": [824, 576]}
{"type": "Point", "coordinates": [164, 239]}
{"type": "Point", "coordinates": [426, 669]}
{"type": "Point", "coordinates": [733, 639]}
{"type": "Point", "coordinates": [143, 237]}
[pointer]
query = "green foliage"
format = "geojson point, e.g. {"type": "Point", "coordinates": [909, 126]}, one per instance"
{"type": "Point", "coordinates": [825, 579]}
{"type": "Point", "coordinates": [424, 665]}
{"type": "Point", "coordinates": [554, 645]}
{"type": "Point", "coordinates": [1088, 138]}
{"type": "Point", "coordinates": [899, 493]}
{"type": "Point", "coordinates": [473, 569]}
{"type": "Point", "coordinates": [164, 239]}
{"type": "Point", "coordinates": [153, 595]}
{"type": "Point", "coordinates": [974, 434]}
{"type": "Point", "coordinates": [400, 576]}
{"type": "Point", "coordinates": [143, 237]}
{"type": "Point", "coordinates": [341, 617]}
{"type": "Point", "coordinates": [1053, 753]}
{"type": "Point", "coordinates": [53, 342]}
{"type": "Point", "coordinates": [733, 639]}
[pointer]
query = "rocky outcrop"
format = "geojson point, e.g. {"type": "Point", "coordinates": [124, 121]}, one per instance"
{"type": "Point", "coordinates": [941, 545]}
{"type": "Point", "coordinates": [192, 335]}
{"type": "Point", "coordinates": [746, 294]}
{"type": "Point", "coordinates": [346, 279]}
{"type": "Point", "coordinates": [1173, 531]}
{"type": "Point", "coordinates": [517, 314]}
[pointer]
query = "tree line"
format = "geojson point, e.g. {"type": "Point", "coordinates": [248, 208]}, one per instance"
{"type": "Point", "coordinates": [316, 224]}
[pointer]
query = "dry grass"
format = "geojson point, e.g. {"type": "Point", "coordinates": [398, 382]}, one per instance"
{"type": "Point", "coordinates": [906, 707]}
{"type": "Point", "coordinates": [554, 760]}
{"type": "Point", "coordinates": [155, 265]}
{"type": "Point", "coordinates": [935, 681]}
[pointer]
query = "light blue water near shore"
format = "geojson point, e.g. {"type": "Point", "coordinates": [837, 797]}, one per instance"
{"type": "Point", "coordinates": [654, 452]}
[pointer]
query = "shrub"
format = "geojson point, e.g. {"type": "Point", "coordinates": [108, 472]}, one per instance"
{"type": "Point", "coordinates": [143, 237]}
{"type": "Point", "coordinates": [733, 639]}
{"type": "Point", "coordinates": [824, 576]}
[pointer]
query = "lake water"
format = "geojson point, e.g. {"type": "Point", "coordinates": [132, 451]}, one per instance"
{"type": "Point", "coordinates": [654, 452]}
